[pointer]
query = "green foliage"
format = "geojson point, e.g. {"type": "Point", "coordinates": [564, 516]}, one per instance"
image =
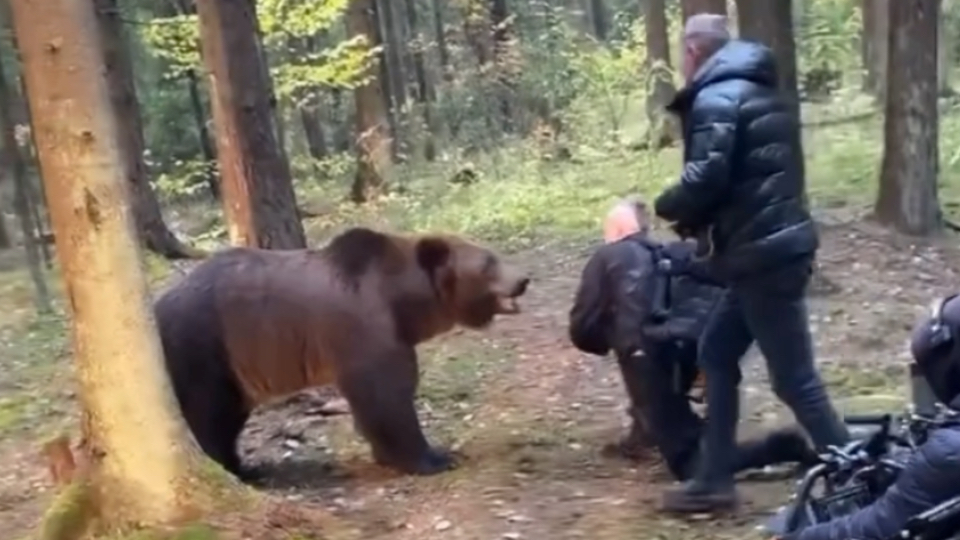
{"type": "Point", "coordinates": [282, 22]}
{"type": "Point", "coordinates": [828, 41]}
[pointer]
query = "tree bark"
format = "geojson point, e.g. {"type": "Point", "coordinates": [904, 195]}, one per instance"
{"type": "Point", "coordinates": [500, 32]}
{"type": "Point", "coordinates": [665, 126]}
{"type": "Point", "coordinates": [771, 23]}
{"type": "Point", "coordinates": [373, 133]}
{"type": "Point", "coordinates": [693, 7]}
{"type": "Point", "coordinates": [5, 242]}
{"type": "Point", "coordinates": [142, 461]}
{"type": "Point", "coordinates": [945, 54]}
{"type": "Point", "coordinates": [876, 25]}
{"type": "Point", "coordinates": [599, 19]}
{"type": "Point", "coordinates": [259, 201]}
{"type": "Point", "coordinates": [393, 46]}
{"type": "Point", "coordinates": [440, 34]}
{"type": "Point", "coordinates": [186, 7]}
{"type": "Point", "coordinates": [425, 93]}
{"type": "Point", "coordinates": [908, 199]}
{"type": "Point", "coordinates": [203, 132]}
{"type": "Point", "coordinates": [151, 228]}
{"type": "Point", "coordinates": [14, 159]}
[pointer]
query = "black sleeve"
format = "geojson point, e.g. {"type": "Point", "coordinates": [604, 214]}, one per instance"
{"type": "Point", "coordinates": [632, 272]}
{"type": "Point", "coordinates": [590, 315]}
{"type": "Point", "coordinates": [931, 477]}
{"type": "Point", "coordinates": [705, 179]}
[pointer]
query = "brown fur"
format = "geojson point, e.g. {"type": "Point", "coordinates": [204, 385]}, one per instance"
{"type": "Point", "coordinates": [250, 325]}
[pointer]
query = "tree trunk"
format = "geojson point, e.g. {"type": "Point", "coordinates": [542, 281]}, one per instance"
{"type": "Point", "coordinates": [153, 231]}
{"type": "Point", "coordinates": [440, 34]}
{"type": "Point", "coordinates": [186, 7]}
{"type": "Point", "coordinates": [771, 23]}
{"type": "Point", "coordinates": [142, 463]}
{"type": "Point", "coordinates": [393, 46]}
{"type": "Point", "coordinates": [203, 132]}
{"type": "Point", "coordinates": [342, 129]}
{"type": "Point", "coordinates": [693, 7]}
{"type": "Point", "coordinates": [500, 31]}
{"type": "Point", "coordinates": [425, 93]}
{"type": "Point", "coordinates": [664, 126]}
{"type": "Point", "coordinates": [13, 158]}
{"type": "Point", "coordinates": [313, 131]}
{"type": "Point", "coordinates": [35, 196]}
{"type": "Point", "coordinates": [258, 196]}
{"type": "Point", "coordinates": [373, 134]}
{"type": "Point", "coordinates": [907, 199]}
{"type": "Point", "coordinates": [599, 19]}
{"type": "Point", "coordinates": [945, 53]}
{"type": "Point", "coordinates": [5, 242]}
{"type": "Point", "coordinates": [876, 24]}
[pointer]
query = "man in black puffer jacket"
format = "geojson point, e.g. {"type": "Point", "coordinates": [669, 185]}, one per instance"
{"type": "Point", "coordinates": [932, 476]}
{"type": "Point", "coordinates": [741, 195]}
{"type": "Point", "coordinates": [648, 302]}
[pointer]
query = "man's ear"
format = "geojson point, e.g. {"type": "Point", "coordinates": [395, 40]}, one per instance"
{"type": "Point", "coordinates": [432, 253]}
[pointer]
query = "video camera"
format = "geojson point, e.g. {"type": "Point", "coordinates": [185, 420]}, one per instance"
{"type": "Point", "coordinates": [856, 475]}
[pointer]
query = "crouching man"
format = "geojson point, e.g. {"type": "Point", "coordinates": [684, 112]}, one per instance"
{"type": "Point", "coordinates": [932, 476]}
{"type": "Point", "coordinates": [648, 302]}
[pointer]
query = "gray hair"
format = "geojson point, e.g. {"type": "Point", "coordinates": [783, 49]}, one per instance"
{"type": "Point", "coordinates": [709, 30]}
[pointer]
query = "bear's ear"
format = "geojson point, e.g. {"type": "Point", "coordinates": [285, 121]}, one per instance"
{"type": "Point", "coordinates": [432, 253]}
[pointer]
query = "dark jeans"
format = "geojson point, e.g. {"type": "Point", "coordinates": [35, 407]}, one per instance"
{"type": "Point", "coordinates": [663, 378]}
{"type": "Point", "coordinates": [771, 310]}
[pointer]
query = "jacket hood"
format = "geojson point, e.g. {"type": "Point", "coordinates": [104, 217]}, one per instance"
{"type": "Point", "coordinates": [738, 59]}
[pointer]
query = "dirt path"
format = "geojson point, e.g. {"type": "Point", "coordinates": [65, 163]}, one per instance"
{"type": "Point", "coordinates": [530, 414]}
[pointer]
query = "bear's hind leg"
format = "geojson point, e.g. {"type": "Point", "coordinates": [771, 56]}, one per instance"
{"type": "Point", "coordinates": [382, 400]}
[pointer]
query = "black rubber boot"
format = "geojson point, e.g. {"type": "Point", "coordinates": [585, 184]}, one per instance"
{"type": "Point", "coordinates": [697, 498]}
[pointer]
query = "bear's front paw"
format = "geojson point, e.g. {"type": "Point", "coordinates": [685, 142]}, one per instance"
{"type": "Point", "coordinates": [434, 461]}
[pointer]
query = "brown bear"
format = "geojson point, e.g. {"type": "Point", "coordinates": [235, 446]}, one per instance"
{"type": "Point", "coordinates": [249, 325]}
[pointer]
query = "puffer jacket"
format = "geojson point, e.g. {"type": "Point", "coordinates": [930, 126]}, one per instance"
{"type": "Point", "coordinates": [931, 477]}
{"type": "Point", "coordinates": [741, 189]}
{"type": "Point", "coordinates": [614, 308]}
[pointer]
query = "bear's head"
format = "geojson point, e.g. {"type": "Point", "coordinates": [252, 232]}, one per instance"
{"type": "Point", "coordinates": [473, 283]}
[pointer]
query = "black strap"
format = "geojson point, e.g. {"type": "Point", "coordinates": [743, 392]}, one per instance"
{"type": "Point", "coordinates": [660, 295]}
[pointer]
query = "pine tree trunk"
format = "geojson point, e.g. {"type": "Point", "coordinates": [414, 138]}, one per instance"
{"type": "Point", "coordinates": [945, 53]}
{"type": "Point", "coordinates": [258, 196]}
{"type": "Point", "coordinates": [186, 7]}
{"type": "Point", "coordinates": [373, 133]}
{"type": "Point", "coordinates": [141, 460]}
{"type": "Point", "coordinates": [153, 231]}
{"type": "Point", "coordinates": [665, 127]}
{"type": "Point", "coordinates": [13, 157]}
{"type": "Point", "coordinates": [907, 199]}
{"type": "Point", "coordinates": [876, 26]}
{"type": "Point", "coordinates": [771, 23]}
{"type": "Point", "coordinates": [425, 92]}
{"type": "Point", "coordinates": [440, 34]}
{"type": "Point", "coordinates": [599, 19]}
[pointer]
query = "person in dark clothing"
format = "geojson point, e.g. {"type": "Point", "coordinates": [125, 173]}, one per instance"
{"type": "Point", "coordinates": [932, 476]}
{"type": "Point", "coordinates": [648, 302]}
{"type": "Point", "coordinates": [741, 196]}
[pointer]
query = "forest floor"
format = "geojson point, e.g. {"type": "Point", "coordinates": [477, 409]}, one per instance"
{"type": "Point", "coordinates": [528, 413]}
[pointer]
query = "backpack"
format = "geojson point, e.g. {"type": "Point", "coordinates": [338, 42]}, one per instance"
{"type": "Point", "coordinates": [677, 300]}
